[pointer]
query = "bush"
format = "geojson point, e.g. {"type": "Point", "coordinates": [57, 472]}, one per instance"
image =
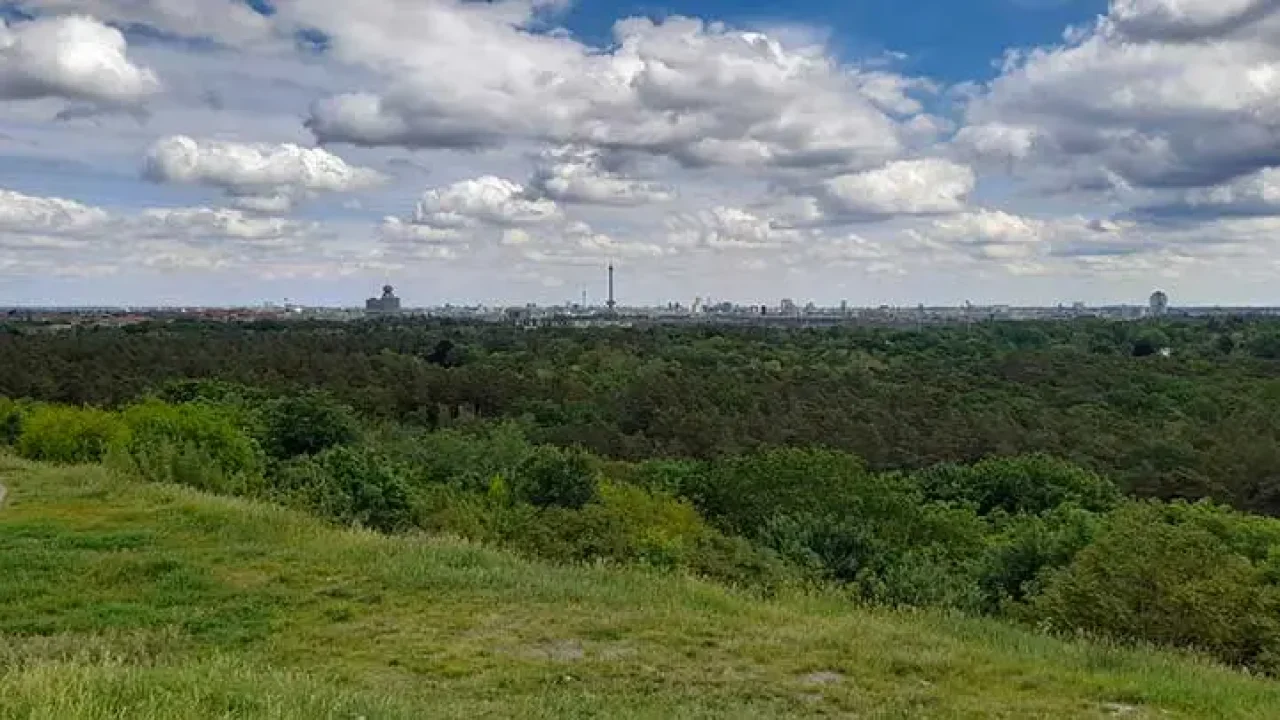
{"type": "Point", "coordinates": [1165, 576]}
{"type": "Point", "coordinates": [629, 524]}
{"type": "Point", "coordinates": [192, 444]}
{"type": "Point", "coordinates": [892, 549]}
{"type": "Point", "coordinates": [306, 424]}
{"type": "Point", "coordinates": [743, 494]}
{"type": "Point", "coordinates": [464, 460]}
{"type": "Point", "coordinates": [62, 434]}
{"type": "Point", "coordinates": [1024, 548]}
{"type": "Point", "coordinates": [1028, 483]}
{"type": "Point", "coordinates": [353, 486]}
{"type": "Point", "coordinates": [553, 477]}
{"type": "Point", "coordinates": [676, 477]}
{"type": "Point", "coordinates": [12, 414]}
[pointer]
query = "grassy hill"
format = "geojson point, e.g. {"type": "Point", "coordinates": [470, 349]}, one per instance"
{"type": "Point", "coordinates": [125, 600]}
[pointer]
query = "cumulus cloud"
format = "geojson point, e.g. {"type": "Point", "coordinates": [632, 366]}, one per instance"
{"type": "Point", "coordinates": [485, 200]}
{"type": "Point", "coordinates": [471, 75]}
{"type": "Point", "coordinates": [229, 21]}
{"type": "Point", "coordinates": [983, 234]}
{"type": "Point", "coordinates": [728, 228]}
{"type": "Point", "coordinates": [1254, 194]}
{"type": "Point", "coordinates": [905, 187]}
{"type": "Point", "coordinates": [28, 215]}
{"type": "Point", "coordinates": [221, 224]}
{"type": "Point", "coordinates": [581, 175]}
{"type": "Point", "coordinates": [1187, 20]}
{"type": "Point", "coordinates": [1131, 100]}
{"type": "Point", "coordinates": [74, 57]}
{"type": "Point", "coordinates": [262, 177]}
{"type": "Point", "coordinates": [577, 243]}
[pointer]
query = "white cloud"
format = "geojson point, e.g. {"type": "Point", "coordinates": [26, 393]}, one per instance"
{"type": "Point", "coordinates": [991, 235]}
{"type": "Point", "coordinates": [1255, 194]}
{"type": "Point", "coordinates": [904, 187]}
{"type": "Point", "coordinates": [469, 75]}
{"type": "Point", "coordinates": [262, 177]}
{"type": "Point", "coordinates": [228, 21]}
{"type": "Point", "coordinates": [485, 200]}
{"type": "Point", "coordinates": [579, 175]}
{"type": "Point", "coordinates": [218, 225]}
{"type": "Point", "coordinates": [75, 58]}
{"type": "Point", "coordinates": [29, 215]}
{"type": "Point", "coordinates": [1159, 93]}
{"type": "Point", "coordinates": [728, 228]}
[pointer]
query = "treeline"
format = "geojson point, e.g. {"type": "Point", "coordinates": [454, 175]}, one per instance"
{"type": "Point", "coordinates": [1184, 409]}
{"type": "Point", "coordinates": [1030, 538]}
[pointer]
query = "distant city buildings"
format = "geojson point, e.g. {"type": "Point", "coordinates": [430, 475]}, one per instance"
{"type": "Point", "coordinates": [1159, 304]}
{"type": "Point", "coordinates": [387, 304]}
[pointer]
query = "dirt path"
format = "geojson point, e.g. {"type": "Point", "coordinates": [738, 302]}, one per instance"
{"type": "Point", "coordinates": [3, 492]}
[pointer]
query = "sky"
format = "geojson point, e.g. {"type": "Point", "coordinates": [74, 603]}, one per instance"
{"type": "Point", "coordinates": [232, 152]}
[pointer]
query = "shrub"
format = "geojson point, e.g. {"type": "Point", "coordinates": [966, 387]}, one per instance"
{"type": "Point", "coordinates": [892, 548]}
{"type": "Point", "coordinates": [12, 414]}
{"type": "Point", "coordinates": [351, 485]}
{"type": "Point", "coordinates": [306, 424]}
{"type": "Point", "coordinates": [192, 444]}
{"type": "Point", "coordinates": [208, 391]}
{"type": "Point", "coordinates": [464, 460]}
{"type": "Point", "coordinates": [1023, 548]}
{"type": "Point", "coordinates": [553, 477]}
{"type": "Point", "coordinates": [676, 477]}
{"type": "Point", "coordinates": [629, 524]}
{"type": "Point", "coordinates": [743, 494]}
{"type": "Point", "coordinates": [63, 434]}
{"type": "Point", "coordinates": [1165, 577]}
{"type": "Point", "coordinates": [1028, 483]}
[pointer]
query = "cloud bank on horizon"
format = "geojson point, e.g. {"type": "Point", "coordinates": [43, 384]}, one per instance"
{"type": "Point", "coordinates": [219, 151]}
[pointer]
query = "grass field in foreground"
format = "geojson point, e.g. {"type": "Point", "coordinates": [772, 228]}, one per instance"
{"type": "Point", "coordinates": [124, 600]}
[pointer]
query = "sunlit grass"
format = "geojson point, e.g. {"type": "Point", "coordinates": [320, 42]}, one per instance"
{"type": "Point", "coordinates": [125, 600]}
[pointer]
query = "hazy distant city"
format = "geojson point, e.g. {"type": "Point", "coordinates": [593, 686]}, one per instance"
{"type": "Point", "coordinates": [612, 312]}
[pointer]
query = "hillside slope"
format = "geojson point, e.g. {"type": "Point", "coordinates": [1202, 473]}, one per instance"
{"type": "Point", "coordinates": [119, 599]}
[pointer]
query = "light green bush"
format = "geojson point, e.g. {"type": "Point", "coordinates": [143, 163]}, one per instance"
{"type": "Point", "coordinates": [192, 444]}
{"type": "Point", "coordinates": [1170, 575]}
{"type": "Point", "coordinates": [63, 434]}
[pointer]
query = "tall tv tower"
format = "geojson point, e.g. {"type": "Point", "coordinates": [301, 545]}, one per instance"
{"type": "Point", "coordinates": [612, 303]}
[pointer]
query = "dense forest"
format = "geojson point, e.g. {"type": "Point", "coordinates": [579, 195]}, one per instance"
{"type": "Point", "coordinates": [1106, 478]}
{"type": "Point", "coordinates": [1169, 410]}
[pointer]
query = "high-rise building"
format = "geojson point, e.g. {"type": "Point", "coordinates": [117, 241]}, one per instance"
{"type": "Point", "coordinates": [1159, 304]}
{"type": "Point", "coordinates": [388, 303]}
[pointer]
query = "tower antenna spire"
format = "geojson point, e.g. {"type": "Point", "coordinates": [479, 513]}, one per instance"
{"type": "Point", "coordinates": [612, 304]}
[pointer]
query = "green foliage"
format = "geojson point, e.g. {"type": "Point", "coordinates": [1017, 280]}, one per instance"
{"type": "Point", "coordinates": [552, 477]}
{"type": "Point", "coordinates": [1149, 342]}
{"type": "Point", "coordinates": [1167, 577]}
{"type": "Point", "coordinates": [208, 391]}
{"type": "Point", "coordinates": [677, 477]}
{"type": "Point", "coordinates": [1023, 548]}
{"type": "Point", "coordinates": [191, 444]}
{"type": "Point", "coordinates": [62, 434]}
{"type": "Point", "coordinates": [902, 400]}
{"type": "Point", "coordinates": [744, 494]}
{"type": "Point", "coordinates": [351, 485]}
{"type": "Point", "coordinates": [467, 460]}
{"type": "Point", "coordinates": [1030, 483]}
{"type": "Point", "coordinates": [12, 414]}
{"type": "Point", "coordinates": [1266, 345]}
{"type": "Point", "coordinates": [306, 424]}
